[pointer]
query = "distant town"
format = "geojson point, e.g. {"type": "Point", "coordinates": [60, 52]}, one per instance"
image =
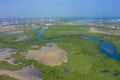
{"type": "Point", "coordinates": [10, 26]}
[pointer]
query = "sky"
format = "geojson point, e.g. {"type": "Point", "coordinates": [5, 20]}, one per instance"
{"type": "Point", "coordinates": [59, 8]}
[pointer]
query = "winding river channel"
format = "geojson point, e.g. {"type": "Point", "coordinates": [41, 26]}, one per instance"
{"type": "Point", "coordinates": [104, 47]}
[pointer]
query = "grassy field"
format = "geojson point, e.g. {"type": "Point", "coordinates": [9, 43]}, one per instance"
{"type": "Point", "coordinates": [4, 77]}
{"type": "Point", "coordinates": [85, 62]}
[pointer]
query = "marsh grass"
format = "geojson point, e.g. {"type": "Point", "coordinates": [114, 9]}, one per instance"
{"type": "Point", "coordinates": [85, 62]}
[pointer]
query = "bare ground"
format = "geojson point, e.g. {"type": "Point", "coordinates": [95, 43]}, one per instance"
{"type": "Point", "coordinates": [22, 38]}
{"type": "Point", "coordinates": [95, 30]}
{"type": "Point", "coordinates": [49, 55]}
{"type": "Point", "coordinates": [5, 54]}
{"type": "Point", "coordinates": [26, 73]}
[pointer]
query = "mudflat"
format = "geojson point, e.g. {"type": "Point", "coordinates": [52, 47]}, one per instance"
{"type": "Point", "coordinates": [26, 73]}
{"type": "Point", "coordinates": [49, 55]}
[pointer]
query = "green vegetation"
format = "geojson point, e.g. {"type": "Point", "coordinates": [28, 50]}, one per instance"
{"type": "Point", "coordinates": [66, 30]}
{"type": "Point", "coordinates": [85, 62]}
{"type": "Point", "coordinates": [18, 58]}
{"type": "Point", "coordinates": [8, 40]}
{"type": "Point", "coordinates": [4, 77]}
{"type": "Point", "coordinates": [6, 65]}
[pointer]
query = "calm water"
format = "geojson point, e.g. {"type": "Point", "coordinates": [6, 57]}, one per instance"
{"type": "Point", "coordinates": [39, 35]}
{"type": "Point", "coordinates": [109, 50]}
{"type": "Point", "coordinates": [90, 39]}
{"type": "Point", "coordinates": [104, 47]}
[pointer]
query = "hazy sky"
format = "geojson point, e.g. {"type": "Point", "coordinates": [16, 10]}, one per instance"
{"type": "Point", "coordinates": [59, 8]}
